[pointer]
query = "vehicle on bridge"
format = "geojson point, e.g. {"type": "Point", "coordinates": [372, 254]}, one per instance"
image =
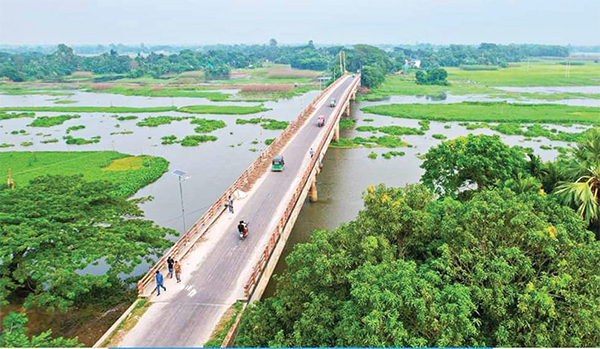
{"type": "Point", "coordinates": [332, 102]}
{"type": "Point", "coordinates": [321, 120]}
{"type": "Point", "coordinates": [243, 230]}
{"type": "Point", "coordinates": [277, 164]}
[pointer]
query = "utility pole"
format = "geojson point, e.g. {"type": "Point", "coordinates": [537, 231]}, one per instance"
{"type": "Point", "coordinates": [180, 174]}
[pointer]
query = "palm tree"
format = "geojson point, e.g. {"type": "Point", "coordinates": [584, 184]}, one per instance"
{"type": "Point", "coordinates": [584, 192]}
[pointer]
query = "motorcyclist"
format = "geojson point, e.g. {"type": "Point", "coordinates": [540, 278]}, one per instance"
{"type": "Point", "coordinates": [243, 229]}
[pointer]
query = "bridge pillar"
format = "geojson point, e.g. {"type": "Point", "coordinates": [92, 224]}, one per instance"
{"type": "Point", "coordinates": [313, 191]}
{"type": "Point", "coordinates": [336, 132]}
{"type": "Point", "coordinates": [348, 108]}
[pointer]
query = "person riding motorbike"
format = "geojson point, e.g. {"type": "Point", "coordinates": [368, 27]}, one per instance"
{"type": "Point", "coordinates": [243, 229]}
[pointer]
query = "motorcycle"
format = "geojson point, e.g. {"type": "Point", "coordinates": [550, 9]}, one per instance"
{"type": "Point", "coordinates": [243, 230]}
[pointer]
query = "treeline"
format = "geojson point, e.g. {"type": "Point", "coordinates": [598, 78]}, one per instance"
{"type": "Point", "coordinates": [484, 54]}
{"type": "Point", "coordinates": [216, 61]}
{"type": "Point", "coordinates": [493, 249]}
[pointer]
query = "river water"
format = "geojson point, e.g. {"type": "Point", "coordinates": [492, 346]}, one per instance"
{"type": "Point", "coordinates": [212, 167]}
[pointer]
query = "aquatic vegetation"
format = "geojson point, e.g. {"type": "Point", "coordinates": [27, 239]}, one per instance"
{"type": "Point", "coordinates": [52, 140]}
{"type": "Point", "coordinates": [192, 141]}
{"type": "Point", "coordinates": [26, 144]}
{"type": "Point", "coordinates": [491, 112]}
{"type": "Point", "coordinates": [125, 118]}
{"type": "Point", "coordinates": [121, 133]}
{"type": "Point", "coordinates": [391, 130]}
{"type": "Point", "coordinates": [64, 101]}
{"type": "Point", "coordinates": [267, 124]}
{"type": "Point", "coordinates": [49, 121]}
{"type": "Point", "coordinates": [208, 125]}
{"type": "Point", "coordinates": [368, 120]}
{"type": "Point", "coordinates": [172, 139]}
{"type": "Point", "coordinates": [223, 109]}
{"type": "Point", "coordinates": [438, 136]}
{"type": "Point", "coordinates": [371, 142]}
{"type": "Point", "coordinates": [372, 155]}
{"type": "Point", "coordinates": [88, 109]}
{"type": "Point", "coordinates": [269, 141]}
{"type": "Point", "coordinates": [424, 125]}
{"type": "Point", "coordinates": [81, 141]}
{"type": "Point", "coordinates": [75, 128]}
{"type": "Point", "coordinates": [6, 145]}
{"type": "Point", "coordinates": [154, 121]}
{"type": "Point", "coordinates": [388, 155]}
{"type": "Point", "coordinates": [6, 116]}
{"type": "Point", "coordinates": [347, 124]}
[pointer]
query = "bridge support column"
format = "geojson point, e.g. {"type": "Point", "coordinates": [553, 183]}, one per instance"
{"type": "Point", "coordinates": [348, 109]}
{"type": "Point", "coordinates": [313, 191]}
{"type": "Point", "coordinates": [336, 132]}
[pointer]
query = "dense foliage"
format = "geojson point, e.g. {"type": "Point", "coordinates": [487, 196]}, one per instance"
{"type": "Point", "coordinates": [501, 269]}
{"type": "Point", "coordinates": [55, 230]}
{"type": "Point", "coordinates": [432, 77]}
{"type": "Point", "coordinates": [14, 335]}
{"type": "Point", "coordinates": [507, 265]}
{"type": "Point", "coordinates": [471, 163]}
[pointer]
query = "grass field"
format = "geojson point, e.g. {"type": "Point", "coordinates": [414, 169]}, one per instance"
{"type": "Point", "coordinates": [491, 112]}
{"type": "Point", "coordinates": [481, 82]}
{"type": "Point", "coordinates": [131, 173]}
{"type": "Point", "coordinates": [549, 73]}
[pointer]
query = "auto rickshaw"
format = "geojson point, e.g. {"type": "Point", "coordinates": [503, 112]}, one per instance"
{"type": "Point", "coordinates": [321, 120]}
{"type": "Point", "coordinates": [277, 164]}
{"type": "Point", "coordinates": [332, 103]}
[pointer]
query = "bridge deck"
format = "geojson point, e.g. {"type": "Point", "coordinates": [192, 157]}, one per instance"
{"type": "Point", "coordinates": [214, 272]}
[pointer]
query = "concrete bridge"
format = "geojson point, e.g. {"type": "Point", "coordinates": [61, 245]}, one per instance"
{"type": "Point", "coordinates": [219, 269]}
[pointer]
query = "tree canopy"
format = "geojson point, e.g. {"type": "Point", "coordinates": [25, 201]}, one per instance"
{"type": "Point", "coordinates": [56, 229]}
{"type": "Point", "coordinates": [14, 335]}
{"type": "Point", "coordinates": [500, 269]}
{"type": "Point", "coordinates": [464, 162]}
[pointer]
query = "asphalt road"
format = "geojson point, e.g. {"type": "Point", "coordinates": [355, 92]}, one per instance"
{"type": "Point", "coordinates": [187, 318]}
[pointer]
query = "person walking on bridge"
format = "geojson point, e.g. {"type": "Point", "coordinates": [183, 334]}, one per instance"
{"type": "Point", "coordinates": [230, 204]}
{"type": "Point", "coordinates": [170, 262]}
{"type": "Point", "coordinates": [159, 283]}
{"type": "Point", "coordinates": [178, 271]}
{"type": "Point", "coordinates": [311, 152]}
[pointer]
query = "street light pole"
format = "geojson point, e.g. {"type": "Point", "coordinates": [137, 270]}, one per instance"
{"type": "Point", "coordinates": [180, 174]}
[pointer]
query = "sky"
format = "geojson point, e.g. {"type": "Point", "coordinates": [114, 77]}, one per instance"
{"type": "Point", "coordinates": [198, 22]}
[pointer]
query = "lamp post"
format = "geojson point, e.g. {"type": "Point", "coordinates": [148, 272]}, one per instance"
{"type": "Point", "coordinates": [180, 174]}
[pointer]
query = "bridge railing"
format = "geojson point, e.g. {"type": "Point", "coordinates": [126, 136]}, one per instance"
{"type": "Point", "coordinates": [243, 182]}
{"type": "Point", "coordinates": [266, 255]}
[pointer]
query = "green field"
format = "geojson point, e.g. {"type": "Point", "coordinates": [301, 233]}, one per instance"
{"type": "Point", "coordinates": [533, 74]}
{"type": "Point", "coordinates": [481, 82]}
{"type": "Point", "coordinates": [130, 172]}
{"type": "Point", "coordinates": [491, 112]}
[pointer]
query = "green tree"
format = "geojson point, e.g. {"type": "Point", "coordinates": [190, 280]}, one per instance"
{"type": "Point", "coordinates": [470, 163]}
{"type": "Point", "coordinates": [54, 229]}
{"type": "Point", "coordinates": [14, 335]}
{"type": "Point", "coordinates": [501, 269]}
{"type": "Point", "coordinates": [372, 76]}
{"type": "Point", "coordinates": [432, 77]}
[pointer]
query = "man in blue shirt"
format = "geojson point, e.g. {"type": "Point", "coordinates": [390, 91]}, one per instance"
{"type": "Point", "coordinates": [159, 283]}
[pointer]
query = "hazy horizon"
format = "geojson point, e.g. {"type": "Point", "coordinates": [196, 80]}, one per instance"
{"type": "Point", "coordinates": [186, 22]}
